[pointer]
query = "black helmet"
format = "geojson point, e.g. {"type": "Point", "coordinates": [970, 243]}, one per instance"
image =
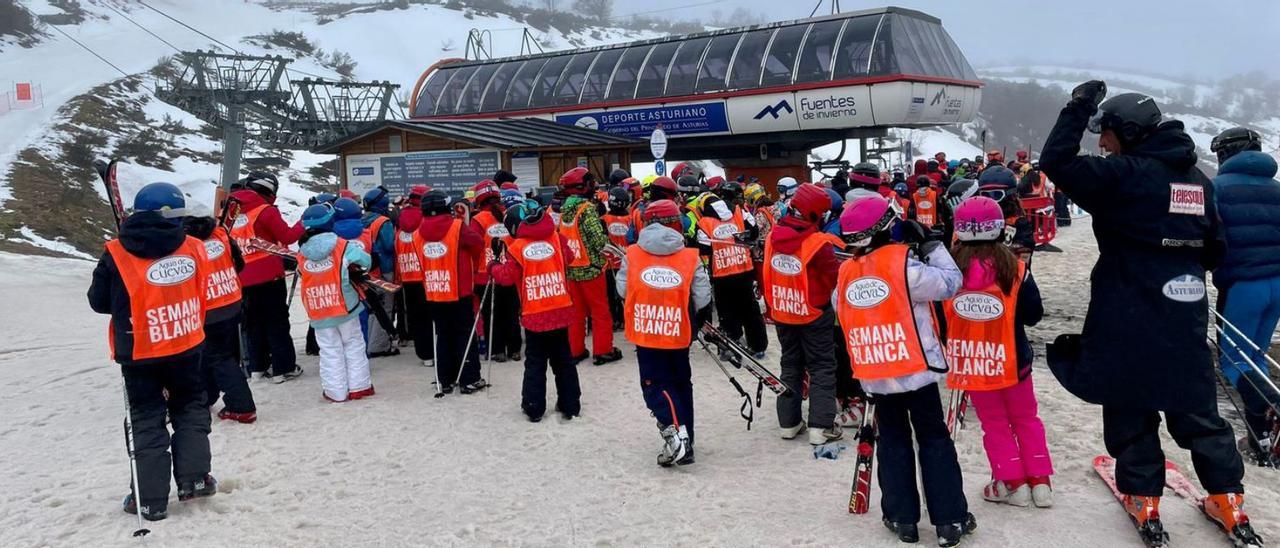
{"type": "Point", "coordinates": [1234, 141]}
{"type": "Point", "coordinates": [730, 191]}
{"type": "Point", "coordinates": [619, 199]}
{"type": "Point", "coordinates": [1132, 116]}
{"type": "Point", "coordinates": [688, 184]}
{"type": "Point", "coordinates": [436, 202]}
{"type": "Point", "coordinates": [617, 175]}
{"type": "Point", "coordinates": [866, 169]}
{"type": "Point", "coordinates": [960, 191]}
{"type": "Point", "coordinates": [265, 184]}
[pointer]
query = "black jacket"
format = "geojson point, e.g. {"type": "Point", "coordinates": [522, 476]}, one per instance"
{"type": "Point", "coordinates": [1143, 344]}
{"type": "Point", "coordinates": [146, 235]}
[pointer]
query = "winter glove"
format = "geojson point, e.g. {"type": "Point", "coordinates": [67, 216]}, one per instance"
{"type": "Point", "coordinates": [357, 274]}
{"type": "Point", "coordinates": [829, 451]}
{"type": "Point", "coordinates": [700, 318]}
{"type": "Point", "coordinates": [290, 263]}
{"type": "Point", "coordinates": [1090, 93]}
{"type": "Point", "coordinates": [912, 232]}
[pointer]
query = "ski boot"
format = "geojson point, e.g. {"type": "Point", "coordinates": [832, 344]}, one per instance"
{"type": "Point", "coordinates": [688, 444]}
{"type": "Point", "coordinates": [1041, 491]}
{"type": "Point", "coordinates": [612, 356]}
{"type": "Point", "coordinates": [474, 387]}
{"type": "Point", "coordinates": [949, 534]}
{"type": "Point", "coordinates": [514, 356]}
{"type": "Point", "coordinates": [790, 433]}
{"type": "Point", "coordinates": [907, 532]}
{"type": "Point", "coordinates": [825, 435]}
{"type": "Point", "coordinates": [673, 446]}
{"type": "Point", "coordinates": [1013, 493]}
{"type": "Point", "coordinates": [1227, 510]}
{"type": "Point", "coordinates": [1145, 513]}
{"type": "Point", "coordinates": [500, 357]}
{"type": "Point", "coordinates": [851, 415]}
{"type": "Point", "coordinates": [243, 418]}
{"type": "Point", "coordinates": [206, 487]}
{"type": "Point", "coordinates": [149, 513]}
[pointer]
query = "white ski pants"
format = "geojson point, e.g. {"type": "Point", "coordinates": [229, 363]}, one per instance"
{"type": "Point", "coordinates": [344, 368]}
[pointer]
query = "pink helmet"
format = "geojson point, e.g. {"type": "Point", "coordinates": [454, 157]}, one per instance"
{"type": "Point", "coordinates": [979, 219]}
{"type": "Point", "coordinates": [864, 218]}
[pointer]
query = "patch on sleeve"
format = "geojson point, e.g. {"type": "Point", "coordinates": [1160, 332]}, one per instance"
{"type": "Point", "coordinates": [1186, 199]}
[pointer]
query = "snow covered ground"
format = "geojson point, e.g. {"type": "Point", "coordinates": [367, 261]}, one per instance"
{"type": "Point", "coordinates": [404, 469]}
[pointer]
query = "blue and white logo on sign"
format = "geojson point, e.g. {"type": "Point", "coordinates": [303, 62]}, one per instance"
{"type": "Point", "coordinates": [687, 119]}
{"type": "Point", "coordinates": [660, 166]}
{"type": "Point", "coordinates": [362, 171]}
{"type": "Point", "coordinates": [774, 110]}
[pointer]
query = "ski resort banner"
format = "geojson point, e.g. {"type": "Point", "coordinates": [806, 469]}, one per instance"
{"type": "Point", "coordinates": [453, 171]}
{"type": "Point", "coordinates": [685, 119]}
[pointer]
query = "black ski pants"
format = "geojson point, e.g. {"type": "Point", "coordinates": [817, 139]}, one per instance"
{"type": "Point", "coordinates": [543, 349]}
{"type": "Point", "coordinates": [506, 320]}
{"type": "Point", "coordinates": [266, 322]}
{"type": "Point", "coordinates": [898, 417]}
{"type": "Point", "coordinates": [453, 321]}
{"type": "Point", "coordinates": [185, 409]}
{"type": "Point", "coordinates": [221, 364]}
{"type": "Point", "coordinates": [418, 320]}
{"type": "Point", "coordinates": [846, 386]}
{"type": "Point", "coordinates": [1132, 437]}
{"type": "Point", "coordinates": [616, 301]}
{"type": "Point", "coordinates": [667, 386]}
{"type": "Point", "coordinates": [808, 348]}
{"type": "Point", "coordinates": [738, 310]}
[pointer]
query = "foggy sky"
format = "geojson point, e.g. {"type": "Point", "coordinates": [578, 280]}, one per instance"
{"type": "Point", "coordinates": [1203, 39]}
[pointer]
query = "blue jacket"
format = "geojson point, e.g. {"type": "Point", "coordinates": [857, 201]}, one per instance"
{"type": "Point", "coordinates": [318, 248]}
{"type": "Point", "coordinates": [1248, 197]}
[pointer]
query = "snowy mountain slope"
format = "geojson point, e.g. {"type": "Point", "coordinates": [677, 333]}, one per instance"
{"type": "Point", "coordinates": [45, 152]}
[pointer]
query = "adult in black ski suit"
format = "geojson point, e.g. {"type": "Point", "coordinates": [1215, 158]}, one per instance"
{"type": "Point", "coordinates": [1143, 349]}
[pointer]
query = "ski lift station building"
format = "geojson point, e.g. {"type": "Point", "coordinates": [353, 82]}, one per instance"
{"type": "Point", "coordinates": [755, 98]}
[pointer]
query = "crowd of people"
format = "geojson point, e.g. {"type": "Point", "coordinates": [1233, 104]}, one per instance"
{"type": "Point", "coordinates": [880, 287]}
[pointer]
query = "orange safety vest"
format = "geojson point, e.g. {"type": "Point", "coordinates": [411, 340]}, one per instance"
{"type": "Point", "coordinates": [440, 266]}
{"type": "Point", "coordinates": [616, 226]}
{"type": "Point", "coordinates": [926, 207]}
{"type": "Point", "coordinates": [980, 344]}
{"type": "Point", "coordinates": [490, 228]}
{"type": "Point", "coordinates": [543, 275]}
{"type": "Point", "coordinates": [166, 299]}
{"type": "Point", "coordinates": [242, 231]}
{"type": "Point", "coordinates": [877, 321]}
{"type": "Point", "coordinates": [727, 259]}
{"type": "Point", "coordinates": [222, 286]}
{"type": "Point", "coordinates": [322, 284]}
{"type": "Point", "coordinates": [657, 299]}
{"type": "Point", "coordinates": [905, 205]}
{"type": "Point", "coordinates": [636, 221]}
{"type": "Point", "coordinates": [569, 227]}
{"type": "Point", "coordinates": [408, 258]}
{"type": "Point", "coordinates": [786, 280]}
{"type": "Point", "coordinates": [367, 236]}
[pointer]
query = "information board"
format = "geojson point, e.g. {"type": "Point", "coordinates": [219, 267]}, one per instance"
{"type": "Point", "coordinates": [453, 171]}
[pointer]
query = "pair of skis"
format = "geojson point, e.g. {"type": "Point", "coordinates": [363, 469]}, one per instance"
{"type": "Point", "coordinates": [1153, 535]}
{"type": "Point", "coordinates": [259, 244]}
{"type": "Point", "coordinates": [742, 358]}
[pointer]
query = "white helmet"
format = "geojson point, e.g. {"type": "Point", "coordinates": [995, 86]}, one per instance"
{"type": "Point", "coordinates": [787, 186]}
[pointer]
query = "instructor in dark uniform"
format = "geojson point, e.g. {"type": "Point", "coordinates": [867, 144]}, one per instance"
{"type": "Point", "coordinates": [1144, 348]}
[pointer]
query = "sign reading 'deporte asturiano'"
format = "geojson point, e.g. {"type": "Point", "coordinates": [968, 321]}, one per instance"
{"type": "Point", "coordinates": [696, 118]}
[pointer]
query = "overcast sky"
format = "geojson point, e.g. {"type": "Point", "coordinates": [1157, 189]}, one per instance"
{"type": "Point", "coordinates": [1205, 39]}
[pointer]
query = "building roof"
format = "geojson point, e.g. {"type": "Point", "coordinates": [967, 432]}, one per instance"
{"type": "Point", "coordinates": [805, 52]}
{"type": "Point", "coordinates": [506, 134]}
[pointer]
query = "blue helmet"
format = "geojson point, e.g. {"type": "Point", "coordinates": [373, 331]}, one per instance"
{"type": "Point", "coordinates": [377, 199]}
{"type": "Point", "coordinates": [318, 218]}
{"type": "Point", "coordinates": [162, 198]}
{"type": "Point", "coordinates": [837, 201]}
{"type": "Point", "coordinates": [346, 208]}
{"type": "Point", "coordinates": [323, 198]}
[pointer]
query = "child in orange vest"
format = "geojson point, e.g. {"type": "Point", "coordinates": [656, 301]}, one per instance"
{"type": "Point", "coordinates": [334, 306]}
{"type": "Point", "coordinates": [667, 296]}
{"type": "Point", "coordinates": [991, 358]}
{"type": "Point", "coordinates": [617, 225]}
{"type": "Point", "coordinates": [884, 299]}
{"type": "Point", "coordinates": [580, 224]}
{"type": "Point", "coordinates": [536, 264]}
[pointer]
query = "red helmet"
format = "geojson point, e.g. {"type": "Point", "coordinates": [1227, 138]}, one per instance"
{"type": "Point", "coordinates": [347, 193]}
{"type": "Point", "coordinates": [416, 193]}
{"type": "Point", "coordinates": [1022, 156]}
{"type": "Point", "coordinates": [663, 212]}
{"type": "Point", "coordinates": [714, 182]}
{"type": "Point", "coordinates": [667, 184]}
{"type": "Point", "coordinates": [577, 181]}
{"type": "Point", "coordinates": [810, 203]}
{"type": "Point", "coordinates": [509, 186]}
{"type": "Point", "coordinates": [484, 191]}
{"type": "Point", "coordinates": [995, 156]}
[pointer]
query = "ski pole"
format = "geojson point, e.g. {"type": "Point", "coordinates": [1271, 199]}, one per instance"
{"type": "Point", "coordinates": [133, 462]}
{"type": "Point", "coordinates": [489, 347]}
{"type": "Point", "coordinates": [471, 337]}
{"type": "Point", "coordinates": [293, 287]}
{"type": "Point", "coordinates": [746, 411]}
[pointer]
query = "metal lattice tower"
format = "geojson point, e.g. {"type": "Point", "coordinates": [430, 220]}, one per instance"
{"type": "Point", "coordinates": [248, 97]}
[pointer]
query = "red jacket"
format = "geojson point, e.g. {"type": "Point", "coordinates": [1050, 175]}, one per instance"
{"type": "Point", "coordinates": [270, 227]}
{"type": "Point", "coordinates": [822, 269]}
{"type": "Point", "coordinates": [509, 272]}
{"type": "Point", "coordinates": [470, 246]}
